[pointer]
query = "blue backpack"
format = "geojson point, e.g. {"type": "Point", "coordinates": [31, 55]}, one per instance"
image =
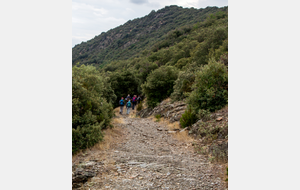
{"type": "Point", "coordinates": [128, 104]}
{"type": "Point", "coordinates": [122, 102]}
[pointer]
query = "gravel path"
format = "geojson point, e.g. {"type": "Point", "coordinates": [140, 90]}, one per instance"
{"type": "Point", "coordinates": [149, 158]}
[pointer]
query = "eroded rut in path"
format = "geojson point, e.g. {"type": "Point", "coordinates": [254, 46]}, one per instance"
{"type": "Point", "coordinates": [149, 158]}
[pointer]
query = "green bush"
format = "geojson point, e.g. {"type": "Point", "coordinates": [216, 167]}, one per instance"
{"type": "Point", "coordinates": [159, 84]}
{"type": "Point", "coordinates": [89, 107]}
{"type": "Point", "coordinates": [123, 83]}
{"type": "Point", "coordinates": [210, 89]}
{"type": "Point", "coordinates": [188, 118]}
{"type": "Point", "coordinates": [183, 85]}
{"type": "Point", "coordinates": [85, 137]}
{"type": "Point", "coordinates": [204, 115]}
{"type": "Point", "coordinates": [157, 117]}
{"type": "Point", "coordinates": [139, 106]}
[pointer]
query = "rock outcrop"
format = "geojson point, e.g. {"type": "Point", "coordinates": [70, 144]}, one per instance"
{"type": "Point", "coordinates": [213, 134]}
{"type": "Point", "coordinates": [83, 172]}
{"type": "Point", "coordinates": [166, 109]}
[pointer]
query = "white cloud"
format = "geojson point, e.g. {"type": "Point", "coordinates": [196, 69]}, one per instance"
{"type": "Point", "coordinates": [85, 7]}
{"type": "Point", "coordinates": [139, 2]}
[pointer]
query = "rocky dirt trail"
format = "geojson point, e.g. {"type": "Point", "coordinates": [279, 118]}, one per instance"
{"type": "Point", "coordinates": [144, 155]}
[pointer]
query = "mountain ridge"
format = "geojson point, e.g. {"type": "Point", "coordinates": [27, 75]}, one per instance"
{"type": "Point", "coordinates": [127, 40]}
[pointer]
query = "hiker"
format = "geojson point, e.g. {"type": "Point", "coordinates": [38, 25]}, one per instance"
{"type": "Point", "coordinates": [122, 103]}
{"type": "Point", "coordinates": [139, 99]}
{"type": "Point", "coordinates": [128, 98]}
{"type": "Point", "coordinates": [133, 102]}
{"type": "Point", "coordinates": [128, 105]}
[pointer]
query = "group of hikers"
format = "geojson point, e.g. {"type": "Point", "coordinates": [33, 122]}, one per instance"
{"type": "Point", "coordinates": [129, 102]}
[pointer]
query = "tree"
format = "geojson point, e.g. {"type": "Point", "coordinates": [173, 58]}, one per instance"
{"type": "Point", "coordinates": [210, 89]}
{"type": "Point", "coordinates": [159, 84]}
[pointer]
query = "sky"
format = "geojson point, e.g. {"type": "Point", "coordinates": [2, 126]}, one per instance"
{"type": "Point", "coordinates": [92, 17]}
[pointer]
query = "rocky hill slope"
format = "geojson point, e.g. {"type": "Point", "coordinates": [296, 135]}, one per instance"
{"type": "Point", "coordinates": [131, 38]}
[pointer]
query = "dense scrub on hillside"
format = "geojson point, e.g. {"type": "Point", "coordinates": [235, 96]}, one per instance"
{"type": "Point", "coordinates": [186, 48]}
{"type": "Point", "coordinates": [188, 64]}
{"type": "Point", "coordinates": [128, 40]}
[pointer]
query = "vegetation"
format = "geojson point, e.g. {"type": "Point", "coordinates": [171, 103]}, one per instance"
{"type": "Point", "coordinates": [159, 84]}
{"type": "Point", "coordinates": [158, 116]}
{"type": "Point", "coordinates": [174, 52]}
{"type": "Point", "coordinates": [123, 83]}
{"type": "Point", "coordinates": [188, 118]}
{"type": "Point", "coordinates": [210, 89]}
{"type": "Point", "coordinates": [128, 40]}
{"type": "Point", "coordinates": [183, 84]}
{"type": "Point", "coordinates": [140, 106]}
{"type": "Point", "coordinates": [90, 110]}
{"type": "Point", "coordinates": [204, 115]}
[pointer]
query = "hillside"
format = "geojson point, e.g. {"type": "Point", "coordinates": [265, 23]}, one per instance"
{"type": "Point", "coordinates": [135, 36]}
{"type": "Point", "coordinates": [174, 54]}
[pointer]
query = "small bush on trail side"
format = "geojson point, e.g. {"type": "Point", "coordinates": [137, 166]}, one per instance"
{"type": "Point", "coordinates": [86, 137]}
{"type": "Point", "coordinates": [140, 106]}
{"type": "Point", "coordinates": [188, 118]}
{"type": "Point", "coordinates": [158, 116]}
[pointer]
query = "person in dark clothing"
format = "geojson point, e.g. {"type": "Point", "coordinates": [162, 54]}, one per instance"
{"type": "Point", "coordinates": [133, 102]}
{"type": "Point", "coordinates": [122, 103]}
{"type": "Point", "coordinates": [139, 99]}
{"type": "Point", "coordinates": [128, 98]}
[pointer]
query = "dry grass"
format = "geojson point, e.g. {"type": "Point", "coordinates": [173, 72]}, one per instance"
{"type": "Point", "coordinates": [167, 123]}
{"type": "Point", "coordinates": [173, 126]}
{"type": "Point", "coordinates": [110, 136]}
{"type": "Point", "coordinates": [132, 113]}
{"type": "Point", "coordinates": [183, 137]}
{"type": "Point", "coordinates": [117, 111]}
{"type": "Point", "coordinates": [117, 121]}
{"type": "Point", "coordinates": [167, 100]}
{"type": "Point", "coordinates": [144, 102]}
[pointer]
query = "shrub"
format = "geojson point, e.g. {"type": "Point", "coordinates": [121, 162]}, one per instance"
{"type": "Point", "coordinates": [139, 106]}
{"type": "Point", "coordinates": [157, 117]}
{"type": "Point", "coordinates": [123, 83]}
{"type": "Point", "coordinates": [204, 115]}
{"type": "Point", "coordinates": [188, 118]}
{"type": "Point", "coordinates": [159, 84]}
{"type": "Point", "coordinates": [210, 89]}
{"type": "Point", "coordinates": [89, 107]}
{"type": "Point", "coordinates": [183, 84]}
{"type": "Point", "coordinates": [85, 137]}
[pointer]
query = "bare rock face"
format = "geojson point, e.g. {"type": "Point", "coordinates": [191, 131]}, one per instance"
{"type": "Point", "coordinates": [166, 109]}
{"type": "Point", "coordinates": [83, 172]}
